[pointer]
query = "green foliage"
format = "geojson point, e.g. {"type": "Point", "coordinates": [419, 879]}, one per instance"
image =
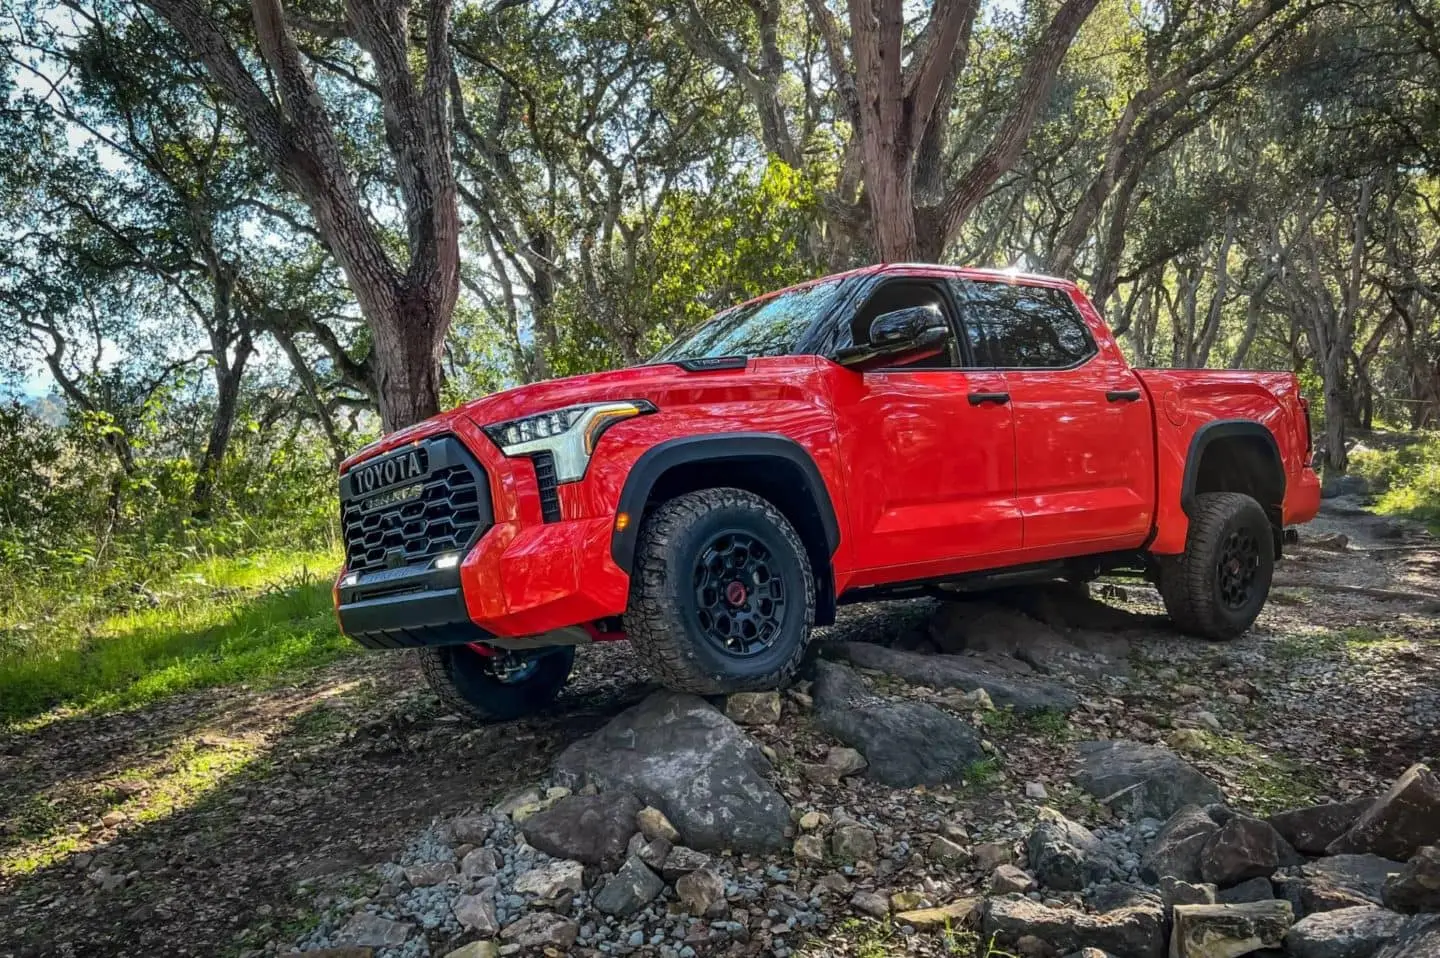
{"type": "Point", "coordinates": [1405, 477]}
{"type": "Point", "coordinates": [214, 622]}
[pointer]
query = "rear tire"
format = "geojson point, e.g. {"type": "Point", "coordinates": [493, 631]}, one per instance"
{"type": "Point", "coordinates": [468, 683]}
{"type": "Point", "coordinates": [1218, 587]}
{"type": "Point", "coordinates": [722, 598]}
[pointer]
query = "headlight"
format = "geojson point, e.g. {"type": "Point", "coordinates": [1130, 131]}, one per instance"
{"type": "Point", "coordinates": [570, 434]}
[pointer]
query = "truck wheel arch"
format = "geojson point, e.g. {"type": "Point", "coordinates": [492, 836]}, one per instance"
{"type": "Point", "coordinates": [1243, 457]}
{"type": "Point", "coordinates": [670, 468]}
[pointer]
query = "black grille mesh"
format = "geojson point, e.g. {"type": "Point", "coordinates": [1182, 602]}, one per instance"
{"type": "Point", "coordinates": [549, 491]}
{"type": "Point", "coordinates": [445, 517]}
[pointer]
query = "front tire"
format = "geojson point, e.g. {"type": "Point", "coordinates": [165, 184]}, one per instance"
{"type": "Point", "coordinates": [722, 598]}
{"type": "Point", "coordinates": [1216, 589]}
{"type": "Point", "coordinates": [470, 684]}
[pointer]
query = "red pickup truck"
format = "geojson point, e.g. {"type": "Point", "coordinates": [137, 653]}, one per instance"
{"type": "Point", "coordinates": [892, 431]}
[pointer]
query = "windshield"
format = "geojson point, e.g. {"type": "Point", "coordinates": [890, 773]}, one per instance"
{"type": "Point", "coordinates": [771, 327]}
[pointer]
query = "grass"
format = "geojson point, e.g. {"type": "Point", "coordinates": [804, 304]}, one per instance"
{"type": "Point", "coordinates": [222, 621]}
{"type": "Point", "coordinates": [1270, 783]}
{"type": "Point", "coordinates": [1356, 638]}
{"type": "Point", "coordinates": [882, 939]}
{"type": "Point", "coordinates": [1049, 723]}
{"type": "Point", "coordinates": [1405, 478]}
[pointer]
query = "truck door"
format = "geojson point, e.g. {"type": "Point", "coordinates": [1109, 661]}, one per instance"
{"type": "Point", "coordinates": [1084, 439]}
{"type": "Point", "coordinates": [929, 450]}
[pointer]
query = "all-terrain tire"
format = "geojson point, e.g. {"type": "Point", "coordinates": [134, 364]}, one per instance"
{"type": "Point", "coordinates": [467, 684]}
{"type": "Point", "coordinates": [666, 618]}
{"type": "Point", "coordinates": [1202, 588]}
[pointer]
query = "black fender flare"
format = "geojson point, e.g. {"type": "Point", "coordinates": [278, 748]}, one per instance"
{"type": "Point", "coordinates": [1225, 429]}
{"type": "Point", "coordinates": [717, 448]}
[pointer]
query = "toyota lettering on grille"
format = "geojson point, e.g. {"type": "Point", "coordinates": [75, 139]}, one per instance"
{"type": "Point", "coordinates": [387, 472]}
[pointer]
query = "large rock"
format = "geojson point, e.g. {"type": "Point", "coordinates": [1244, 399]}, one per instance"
{"type": "Point", "coordinates": [1419, 937]}
{"type": "Point", "coordinates": [1399, 822]}
{"type": "Point", "coordinates": [1142, 781]}
{"type": "Point", "coordinates": [1311, 829]}
{"type": "Point", "coordinates": [753, 708]}
{"type": "Point", "coordinates": [551, 880]}
{"type": "Point", "coordinates": [702, 892]}
{"type": "Point", "coordinates": [1136, 932]}
{"type": "Point", "coordinates": [1176, 848]}
{"type": "Point", "coordinates": [1065, 855]}
{"type": "Point", "coordinates": [476, 913]}
{"type": "Point", "coordinates": [594, 829]}
{"type": "Point", "coordinates": [906, 743]}
{"type": "Point", "coordinates": [1019, 630]}
{"type": "Point", "coordinates": [1025, 695]}
{"type": "Point", "coordinates": [1341, 881]}
{"type": "Point", "coordinates": [1243, 848]}
{"type": "Point", "coordinates": [679, 754]}
{"type": "Point", "coordinates": [1347, 933]}
{"type": "Point", "coordinates": [1227, 931]}
{"type": "Point", "coordinates": [372, 931]}
{"type": "Point", "coordinates": [1416, 887]}
{"type": "Point", "coordinates": [542, 929]}
{"type": "Point", "coordinates": [632, 888]}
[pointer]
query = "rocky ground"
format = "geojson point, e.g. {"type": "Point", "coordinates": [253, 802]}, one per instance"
{"type": "Point", "coordinates": [1036, 772]}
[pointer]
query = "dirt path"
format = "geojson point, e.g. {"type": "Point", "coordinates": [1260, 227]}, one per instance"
{"type": "Point", "coordinates": [223, 822]}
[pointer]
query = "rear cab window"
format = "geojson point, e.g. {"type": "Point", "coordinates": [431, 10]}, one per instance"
{"type": "Point", "coordinates": [1011, 326]}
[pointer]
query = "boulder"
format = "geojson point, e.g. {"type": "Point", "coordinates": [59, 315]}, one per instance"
{"type": "Point", "coordinates": [1175, 851]}
{"type": "Point", "coordinates": [1416, 887]}
{"type": "Point", "coordinates": [1227, 931]}
{"type": "Point", "coordinates": [1345, 485]}
{"type": "Point", "coordinates": [655, 826]}
{"type": "Point", "coordinates": [682, 861]}
{"type": "Point", "coordinates": [945, 852]}
{"type": "Point", "coordinates": [542, 929]}
{"type": "Point", "coordinates": [468, 829]}
{"type": "Point", "coordinates": [550, 880]}
{"type": "Point", "coordinates": [1008, 879]}
{"type": "Point", "coordinates": [1345, 933]}
{"type": "Point", "coordinates": [1142, 781]}
{"type": "Point", "coordinates": [1311, 829]}
{"type": "Point", "coordinates": [1242, 848]}
{"type": "Point", "coordinates": [1113, 895]}
{"type": "Point", "coordinates": [631, 888]}
{"type": "Point", "coordinates": [809, 849]}
{"type": "Point", "coordinates": [429, 873]}
{"type": "Point", "coordinates": [853, 843]}
{"type": "Point", "coordinates": [1176, 892]}
{"type": "Point", "coordinates": [479, 862]}
{"type": "Point", "coordinates": [1340, 881]}
{"type": "Point", "coordinates": [1028, 627]}
{"type": "Point", "coordinates": [476, 913]}
{"type": "Point", "coordinates": [702, 893]}
{"type": "Point", "coordinates": [753, 708]}
{"type": "Point", "coordinates": [1137, 932]}
{"type": "Point", "coordinates": [372, 931]}
{"type": "Point", "coordinates": [1026, 696]}
{"type": "Point", "coordinates": [905, 743]}
{"type": "Point", "coordinates": [1399, 822]}
{"type": "Point", "coordinates": [1419, 937]}
{"type": "Point", "coordinates": [1253, 889]}
{"type": "Point", "coordinates": [593, 829]}
{"type": "Point", "coordinates": [677, 753]}
{"type": "Point", "coordinates": [990, 855]}
{"type": "Point", "coordinates": [952, 917]}
{"type": "Point", "coordinates": [1065, 855]}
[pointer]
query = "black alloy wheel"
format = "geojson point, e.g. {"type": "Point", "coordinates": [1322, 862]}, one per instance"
{"type": "Point", "coordinates": [740, 593]}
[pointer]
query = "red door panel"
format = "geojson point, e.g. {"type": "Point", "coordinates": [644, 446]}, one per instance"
{"type": "Point", "coordinates": [1085, 461]}
{"type": "Point", "coordinates": [930, 475]}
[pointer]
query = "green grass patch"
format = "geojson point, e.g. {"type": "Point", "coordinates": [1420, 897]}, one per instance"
{"type": "Point", "coordinates": [1007, 721]}
{"type": "Point", "coordinates": [1342, 643]}
{"type": "Point", "coordinates": [1270, 783]}
{"type": "Point", "coordinates": [1404, 478]}
{"type": "Point", "coordinates": [221, 622]}
{"type": "Point", "coordinates": [981, 776]}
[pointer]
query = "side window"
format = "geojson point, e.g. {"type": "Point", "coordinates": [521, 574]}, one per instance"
{"type": "Point", "coordinates": [1030, 327]}
{"type": "Point", "coordinates": [899, 295]}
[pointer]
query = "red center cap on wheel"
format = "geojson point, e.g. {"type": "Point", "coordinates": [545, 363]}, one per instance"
{"type": "Point", "coordinates": [735, 593]}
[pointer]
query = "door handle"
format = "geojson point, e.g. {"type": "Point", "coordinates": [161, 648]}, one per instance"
{"type": "Point", "coordinates": [979, 399]}
{"type": "Point", "coordinates": [1123, 395]}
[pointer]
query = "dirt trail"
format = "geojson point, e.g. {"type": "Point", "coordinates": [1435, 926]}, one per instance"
{"type": "Point", "coordinates": [219, 822]}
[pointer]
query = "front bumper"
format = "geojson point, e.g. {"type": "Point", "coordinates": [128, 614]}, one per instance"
{"type": "Point", "coordinates": [523, 578]}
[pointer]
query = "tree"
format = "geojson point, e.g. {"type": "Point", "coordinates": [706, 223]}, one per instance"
{"type": "Point", "coordinates": [407, 300]}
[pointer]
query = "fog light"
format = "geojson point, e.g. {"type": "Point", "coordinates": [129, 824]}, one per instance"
{"type": "Point", "coordinates": [448, 562]}
{"type": "Point", "coordinates": [351, 580]}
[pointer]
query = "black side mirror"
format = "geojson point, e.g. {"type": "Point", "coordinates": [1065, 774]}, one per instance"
{"type": "Point", "coordinates": [898, 337]}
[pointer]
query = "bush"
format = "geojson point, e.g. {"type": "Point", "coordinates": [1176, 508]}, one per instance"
{"type": "Point", "coordinates": [1405, 477]}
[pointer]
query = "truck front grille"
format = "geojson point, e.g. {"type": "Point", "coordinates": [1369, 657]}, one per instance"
{"type": "Point", "coordinates": [413, 520]}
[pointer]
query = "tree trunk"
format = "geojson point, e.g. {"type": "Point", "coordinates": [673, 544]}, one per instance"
{"type": "Point", "coordinates": [409, 338]}
{"type": "Point", "coordinates": [227, 402]}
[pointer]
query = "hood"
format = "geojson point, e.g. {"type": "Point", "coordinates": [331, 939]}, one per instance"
{"type": "Point", "coordinates": [636, 382]}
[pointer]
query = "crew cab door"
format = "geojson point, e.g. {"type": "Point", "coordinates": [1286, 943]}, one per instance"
{"type": "Point", "coordinates": [929, 452]}
{"type": "Point", "coordinates": [1085, 442]}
